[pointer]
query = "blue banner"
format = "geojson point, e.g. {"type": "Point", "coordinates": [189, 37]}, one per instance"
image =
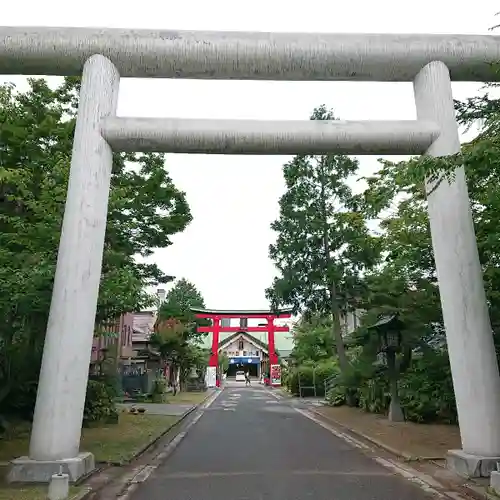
{"type": "Point", "coordinates": [244, 360]}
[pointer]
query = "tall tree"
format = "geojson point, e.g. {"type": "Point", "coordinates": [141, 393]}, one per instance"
{"type": "Point", "coordinates": [180, 299]}
{"type": "Point", "coordinates": [312, 340]}
{"type": "Point", "coordinates": [145, 210]}
{"type": "Point", "coordinates": [323, 242]}
{"type": "Point", "coordinates": [176, 337]}
{"type": "Point", "coordinates": [406, 282]}
{"type": "Point", "coordinates": [400, 187]}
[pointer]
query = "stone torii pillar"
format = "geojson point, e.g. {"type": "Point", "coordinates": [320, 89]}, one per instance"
{"type": "Point", "coordinates": [57, 422]}
{"type": "Point", "coordinates": [473, 361]}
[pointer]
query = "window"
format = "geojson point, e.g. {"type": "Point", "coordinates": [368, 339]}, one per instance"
{"type": "Point", "coordinates": [244, 353]}
{"type": "Point", "coordinates": [240, 345]}
{"type": "Point", "coordinates": [257, 353]}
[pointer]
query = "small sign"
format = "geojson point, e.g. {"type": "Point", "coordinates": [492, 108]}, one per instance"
{"type": "Point", "coordinates": [211, 376]}
{"type": "Point", "coordinates": [275, 375]}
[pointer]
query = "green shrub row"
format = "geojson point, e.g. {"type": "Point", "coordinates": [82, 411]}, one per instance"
{"type": "Point", "coordinates": [425, 389]}
{"type": "Point", "coordinates": [310, 376]}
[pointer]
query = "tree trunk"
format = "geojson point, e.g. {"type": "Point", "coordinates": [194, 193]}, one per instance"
{"type": "Point", "coordinates": [395, 410]}
{"type": "Point", "coordinates": [332, 287]}
{"type": "Point", "coordinates": [337, 329]}
{"type": "Point", "coordinates": [334, 305]}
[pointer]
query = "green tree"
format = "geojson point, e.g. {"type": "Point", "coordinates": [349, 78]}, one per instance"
{"type": "Point", "coordinates": [180, 299]}
{"type": "Point", "coordinates": [145, 210]}
{"type": "Point", "coordinates": [400, 187]}
{"type": "Point", "coordinates": [313, 340]}
{"type": "Point", "coordinates": [323, 242]}
{"type": "Point", "coordinates": [176, 337]}
{"type": "Point", "coordinates": [178, 303]}
{"type": "Point", "coordinates": [406, 281]}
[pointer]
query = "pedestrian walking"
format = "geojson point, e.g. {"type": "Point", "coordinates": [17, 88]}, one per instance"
{"type": "Point", "coordinates": [247, 379]}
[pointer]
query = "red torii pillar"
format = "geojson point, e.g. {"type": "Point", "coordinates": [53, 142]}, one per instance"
{"type": "Point", "coordinates": [273, 357]}
{"type": "Point", "coordinates": [214, 355]}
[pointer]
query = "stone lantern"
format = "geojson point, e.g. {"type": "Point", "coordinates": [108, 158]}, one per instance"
{"type": "Point", "coordinates": [388, 329]}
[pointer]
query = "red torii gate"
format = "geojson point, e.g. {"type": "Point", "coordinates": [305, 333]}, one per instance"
{"type": "Point", "coordinates": [216, 328]}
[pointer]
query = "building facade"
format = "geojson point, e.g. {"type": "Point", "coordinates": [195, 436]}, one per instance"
{"type": "Point", "coordinates": [245, 353]}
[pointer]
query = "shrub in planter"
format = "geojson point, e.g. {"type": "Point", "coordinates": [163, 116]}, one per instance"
{"type": "Point", "coordinates": [159, 390]}
{"type": "Point", "coordinates": [99, 407]}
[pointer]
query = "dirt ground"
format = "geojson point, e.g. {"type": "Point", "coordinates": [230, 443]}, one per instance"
{"type": "Point", "coordinates": [424, 441]}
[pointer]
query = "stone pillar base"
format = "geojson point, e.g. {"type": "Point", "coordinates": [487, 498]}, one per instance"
{"type": "Point", "coordinates": [467, 465]}
{"type": "Point", "coordinates": [495, 482]}
{"type": "Point", "coordinates": [26, 470]}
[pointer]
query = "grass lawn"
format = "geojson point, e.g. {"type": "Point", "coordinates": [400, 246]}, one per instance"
{"type": "Point", "coordinates": [111, 443]}
{"type": "Point", "coordinates": [187, 397]}
{"type": "Point", "coordinates": [31, 492]}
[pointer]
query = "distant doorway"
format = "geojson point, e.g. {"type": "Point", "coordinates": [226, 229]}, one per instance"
{"type": "Point", "coordinates": [251, 368]}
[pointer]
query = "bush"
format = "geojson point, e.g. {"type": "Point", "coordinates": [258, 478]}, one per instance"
{"type": "Point", "coordinates": [374, 393]}
{"type": "Point", "coordinates": [426, 390]}
{"type": "Point", "coordinates": [310, 375]}
{"type": "Point", "coordinates": [285, 375]}
{"type": "Point", "coordinates": [99, 407]}
{"type": "Point", "coordinates": [346, 389]}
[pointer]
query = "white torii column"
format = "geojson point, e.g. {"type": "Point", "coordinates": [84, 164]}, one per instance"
{"type": "Point", "coordinates": [55, 437]}
{"type": "Point", "coordinates": [469, 335]}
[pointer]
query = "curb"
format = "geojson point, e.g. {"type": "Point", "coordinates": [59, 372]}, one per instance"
{"type": "Point", "coordinates": [426, 482]}
{"type": "Point", "coordinates": [148, 445]}
{"type": "Point", "coordinates": [89, 491]}
{"type": "Point", "coordinates": [140, 475]}
{"type": "Point", "coordinates": [471, 488]}
{"type": "Point", "coordinates": [82, 495]}
{"type": "Point", "coordinates": [393, 451]}
{"type": "Point", "coordinates": [140, 451]}
{"type": "Point", "coordinates": [423, 480]}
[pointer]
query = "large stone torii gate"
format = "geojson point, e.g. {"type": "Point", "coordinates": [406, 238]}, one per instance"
{"type": "Point", "coordinates": [105, 55]}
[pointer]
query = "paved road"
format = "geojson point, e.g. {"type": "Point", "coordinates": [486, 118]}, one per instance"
{"type": "Point", "coordinates": [249, 446]}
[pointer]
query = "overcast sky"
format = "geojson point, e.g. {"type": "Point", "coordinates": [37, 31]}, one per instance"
{"type": "Point", "coordinates": [234, 198]}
